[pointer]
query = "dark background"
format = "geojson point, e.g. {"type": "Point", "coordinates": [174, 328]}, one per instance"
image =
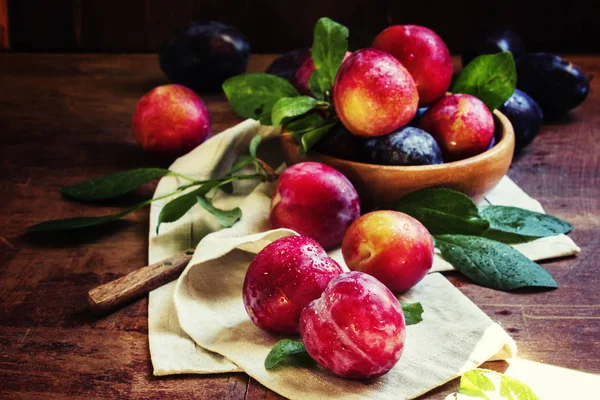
{"type": "Point", "coordinates": [276, 26]}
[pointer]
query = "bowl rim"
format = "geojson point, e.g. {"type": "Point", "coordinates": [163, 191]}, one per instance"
{"type": "Point", "coordinates": [506, 141]}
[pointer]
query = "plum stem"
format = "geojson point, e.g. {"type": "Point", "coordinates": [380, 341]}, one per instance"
{"type": "Point", "coordinates": [271, 175]}
{"type": "Point", "coordinates": [177, 174]}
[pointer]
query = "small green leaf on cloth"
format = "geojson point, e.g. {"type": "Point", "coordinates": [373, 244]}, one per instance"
{"type": "Point", "coordinates": [412, 313]}
{"type": "Point", "coordinates": [487, 384]}
{"type": "Point", "coordinates": [491, 77]}
{"type": "Point", "coordinates": [443, 211]}
{"type": "Point", "coordinates": [242, 162]}
{"type": "Point", "coordinates": [114, 185]}
{"type": "Point", "coordinates": [179, 206]}
{"type": "Point", "coordinates": [288, 352]}
{"type": "Point", "coordinates": [492, 264]}
{"type": "Point", "coordinates": [226, 218]}
{"type": "Point", "coordinates": [517, 225]}
{"type": "Point", "coordinates": [254, 143]}
{"type": "Point", "coordinates": [254, 95]}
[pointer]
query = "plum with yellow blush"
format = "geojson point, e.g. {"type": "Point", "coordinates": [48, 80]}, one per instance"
{"type": "Point", "coordinates": [392, 246]}
{"type": "Point", "coordinates": [374, 94]}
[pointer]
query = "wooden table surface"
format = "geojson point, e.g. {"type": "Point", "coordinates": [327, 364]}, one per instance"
{"type": "Point", "coordinates": [67, 118]}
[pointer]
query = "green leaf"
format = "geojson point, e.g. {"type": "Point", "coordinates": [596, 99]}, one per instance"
{"type": "Point", "coordinates": [330, 43]}
{"type": "Point", "coordinates": [412, 313]}
{"type": "Point", "coordinates": [227, 187]}
{"type": "Point", "coordinates": [226, 218]}
{"type": "Point", "coordinates": [516, 225]}
{"type": "Point", "coordinates": [302, 125]}
{"type": "Point", "coordinates": [242, 162]}
{"type": "Point", "coordinates": [177, 208]}
{"type": "Point", "coordinates": [82, 222]}
{"type": "Point", "coordinates": [476, 384]}
{"type": "Point", "coordinates": [513, 389]}
{"type": "Point", "coordinates": [315, 86]}
{"type": "Point", "coordinates": [254, 95]}
{"type": "Point", "coordinates": [492, 264]}
{"type": "Point", "coordinates": [287, 108]}
{"type": "Point", "coordinates": [308, 130]}
{"type": "Point", "coordinates": [487, 384]}
{"type": "Point", "coordinates": [114, 185]}
{"type": "Point", "coordinates": [288, 352]}
{"type": "Point", "coordinates": [443, 211]}
{"type": "Point", "coordinates": [491, 77]}
{"type": "Point", "coordinates": [312, 137]}
{"type": "Point", "coordinates": [254, 143]}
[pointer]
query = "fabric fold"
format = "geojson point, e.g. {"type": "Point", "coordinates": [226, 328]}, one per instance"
{"type": "Point", "coordinates": [198, 324]}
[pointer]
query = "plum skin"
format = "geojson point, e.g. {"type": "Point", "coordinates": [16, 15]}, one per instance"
{"type": "Point", "coordinates": [461, 124]}
{"type": "Point", "coordinates": [356, 329]}
{"type": "Point", "coordinates": [302, 75]}
{"type": "Point", "coordinates": [392, 246]}
{"type": "Point", "coordinates": [341, 143]}
{"type": "Point", "coordinates": [555, 84]}
{"type": "Point", "coordinates": [314, 200]}
{"type": "Point", "coordinates": [374, 94]}
{"type": "Point", "coordinates": [406, 146]}
{"type": "Point", "coordinates": [282, 279]}
{"type": "Point", "coordinates": [286, 65]}
{"type": "Point", "coordinates": [424, 54]}
{"type": "Point", "coordinates": [202, 55]}
{"type": "Point", "coordinates": [526, 117]}
{"type": "Point", "coordinates": [494, 41]}
{"type": "Point", "coordinates": [171, 120]}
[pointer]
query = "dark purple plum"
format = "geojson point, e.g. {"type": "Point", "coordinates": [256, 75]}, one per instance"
{"type": "Point", "coordinates": [340, 143]}
{"type": "Point", "coordinates": [286, 65]}
{"type": "Point", "coordinates": [492, 143]}
{"type": "Point", "coordinates": [202, 55]}
{"type": "Point", "coordinates": [525, 115]}
{"type": "Point", "coordinates": [555, 84]}
{"type": "Point", "coordinates": [494, 41]}
{"type": "Point", "coordinates": [406, 146]}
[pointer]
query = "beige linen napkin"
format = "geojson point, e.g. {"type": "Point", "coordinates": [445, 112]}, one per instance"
{"type": "Point", "coordinates": [454, 336]}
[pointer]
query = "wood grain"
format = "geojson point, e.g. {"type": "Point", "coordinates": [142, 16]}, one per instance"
{"type": "Point", "coordinates": [71, 121]}
{"type": "Point", "coordinates": [137, 283]}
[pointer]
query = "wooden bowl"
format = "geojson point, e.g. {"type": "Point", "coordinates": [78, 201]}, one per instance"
{"type": "Point", "coordinates": [380, 184]}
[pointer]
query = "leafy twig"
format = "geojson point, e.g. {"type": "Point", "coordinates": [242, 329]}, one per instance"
{"type": "Point", "coordinates": [115, 185]}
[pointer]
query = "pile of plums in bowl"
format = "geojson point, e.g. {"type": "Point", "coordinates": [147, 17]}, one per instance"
{"type": "Point", "coordinates": [399, 129]}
